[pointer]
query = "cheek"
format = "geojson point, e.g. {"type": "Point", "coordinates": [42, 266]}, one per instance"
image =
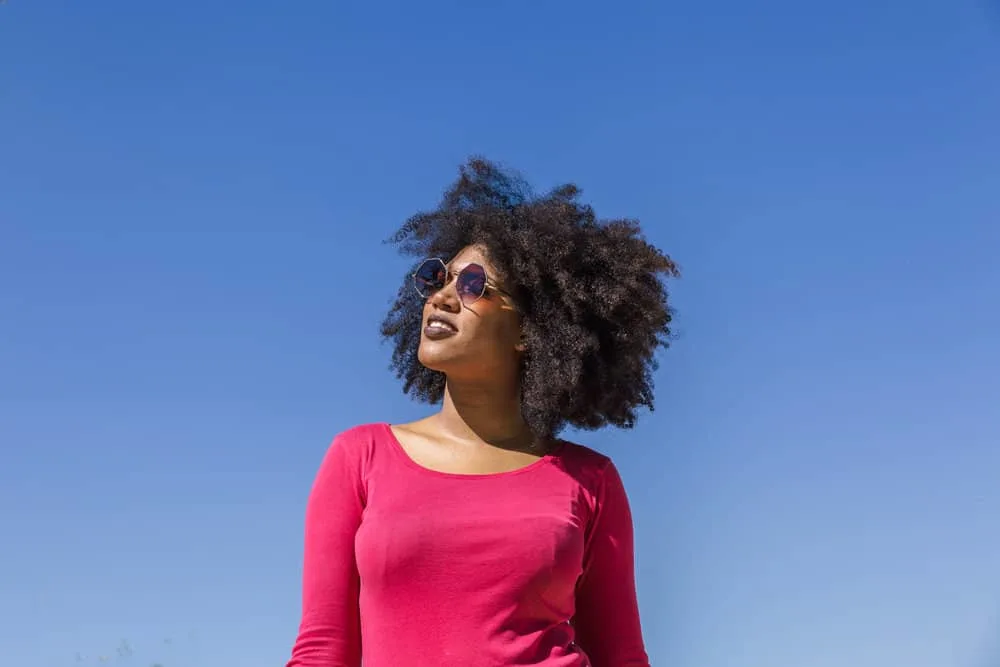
{"type": "Point", "coordinates": [504, 330]}
{"type": "Point", "coordinates": [491, 323]}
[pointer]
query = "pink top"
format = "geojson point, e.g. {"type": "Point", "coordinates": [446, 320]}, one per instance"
{"type": "Point", "coordinates": [411, 567]}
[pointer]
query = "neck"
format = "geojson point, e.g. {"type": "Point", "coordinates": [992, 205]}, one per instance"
{"type": "Point", "coordinates": [485, 414]}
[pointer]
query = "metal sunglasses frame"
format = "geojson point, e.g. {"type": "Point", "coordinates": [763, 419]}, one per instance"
{"type": "Point", "coordinates": [487, 283]}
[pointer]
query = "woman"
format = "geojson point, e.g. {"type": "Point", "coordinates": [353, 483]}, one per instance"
{"type": "Point", "coordinates": [475, 537]}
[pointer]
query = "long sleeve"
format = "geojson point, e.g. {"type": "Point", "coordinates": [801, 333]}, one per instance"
{"type": "Point", "coordinates": [607, 611]}
{"type": "Point", "coordinates": [330, 629]}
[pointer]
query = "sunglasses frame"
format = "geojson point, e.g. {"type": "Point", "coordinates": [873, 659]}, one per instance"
{"type": "Point", "coordinates": [487, 281]}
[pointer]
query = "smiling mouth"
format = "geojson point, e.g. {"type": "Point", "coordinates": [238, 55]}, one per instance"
{"type": "Point", "coordinates": [436, 329]}
{"type": "Point", "coordinates": [434, 324]}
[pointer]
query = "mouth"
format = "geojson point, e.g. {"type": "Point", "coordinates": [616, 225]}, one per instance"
{"type": "Point", "coordinates": [438, 327]}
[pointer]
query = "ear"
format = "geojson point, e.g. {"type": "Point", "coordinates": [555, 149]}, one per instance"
{"type": "Point", "coordinates": [522, 344]}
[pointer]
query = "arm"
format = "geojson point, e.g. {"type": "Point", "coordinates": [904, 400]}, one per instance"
{"type": "Point", "coordinates": [330, 629]}
{"type": "Point", "coordinates": [607, 612]}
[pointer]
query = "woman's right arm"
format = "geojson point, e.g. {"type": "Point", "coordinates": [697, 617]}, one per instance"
{"type": "Point", "coordinates": [330, 628]}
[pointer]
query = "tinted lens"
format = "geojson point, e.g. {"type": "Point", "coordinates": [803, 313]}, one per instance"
{"type": "Point", "coordinates": [430, 277]}
{"type": "Point", "coordinates": [471, 283]}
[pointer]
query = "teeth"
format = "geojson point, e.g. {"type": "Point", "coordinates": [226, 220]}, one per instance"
{"type": "Point", "coordinates": [437, 324]}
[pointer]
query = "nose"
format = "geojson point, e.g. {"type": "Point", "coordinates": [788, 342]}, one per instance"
{"type": "Point", "coordinates": [446, 298]}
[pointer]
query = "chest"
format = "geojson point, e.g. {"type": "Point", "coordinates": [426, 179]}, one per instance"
{"type": "Point", "coordinates": [473, 534]}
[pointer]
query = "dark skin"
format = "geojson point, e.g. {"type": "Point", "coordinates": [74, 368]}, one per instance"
{"type": "Point", "coordinates": [479, 429]}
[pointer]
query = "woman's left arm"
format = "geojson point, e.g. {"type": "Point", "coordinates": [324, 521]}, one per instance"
{"type": "Point", "coordinates": [607, 612]}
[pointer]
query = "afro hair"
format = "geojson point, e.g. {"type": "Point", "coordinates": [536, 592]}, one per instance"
{"type": "Point", "coordinates": [591, 293]}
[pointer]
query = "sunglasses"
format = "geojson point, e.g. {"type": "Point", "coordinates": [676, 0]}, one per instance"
{"type": "Point", "coordinates": [471, 282]}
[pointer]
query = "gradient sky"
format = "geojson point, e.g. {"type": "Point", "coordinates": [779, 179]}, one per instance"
{"type": "Point", "coordinates": [192, 202]}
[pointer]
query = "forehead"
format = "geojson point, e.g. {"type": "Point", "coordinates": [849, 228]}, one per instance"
{"type": "Point", "coordinates": [470, 255]}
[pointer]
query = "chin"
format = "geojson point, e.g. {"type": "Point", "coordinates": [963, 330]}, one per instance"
{"type": "Point", "coordinates": [430, 355]}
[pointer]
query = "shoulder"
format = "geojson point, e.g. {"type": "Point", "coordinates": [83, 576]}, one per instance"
{"type": "Point", "coordinates": [358, 444]}
{"type": "Point", "coordinates": [361, 434]}
{"type": "Point", "coordinates": [350, 459]}
{"type": "Point", "coordinates": [598, 481]}
{"type": "Point", "coordinates": [588, 466]}
{"type": "Point", "coordinates": [581, 457]}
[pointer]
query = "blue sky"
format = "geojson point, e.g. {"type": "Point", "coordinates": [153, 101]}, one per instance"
{"type": "Point", "coordinates": [192, 203]}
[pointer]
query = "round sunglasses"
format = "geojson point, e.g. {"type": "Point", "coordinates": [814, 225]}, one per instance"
{"type": "Point", "coordinates": [471, 282]}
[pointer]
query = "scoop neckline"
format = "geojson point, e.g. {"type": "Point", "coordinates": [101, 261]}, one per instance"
{"type": "Point", "coordinates": [410, 462]}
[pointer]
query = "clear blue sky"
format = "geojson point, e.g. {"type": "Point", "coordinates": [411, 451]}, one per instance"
{"type": "Point", "coordinates": [192, 200]}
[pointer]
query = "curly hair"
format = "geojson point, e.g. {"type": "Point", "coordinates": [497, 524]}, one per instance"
{"type": "Point", "coordinates": [591, 294]}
